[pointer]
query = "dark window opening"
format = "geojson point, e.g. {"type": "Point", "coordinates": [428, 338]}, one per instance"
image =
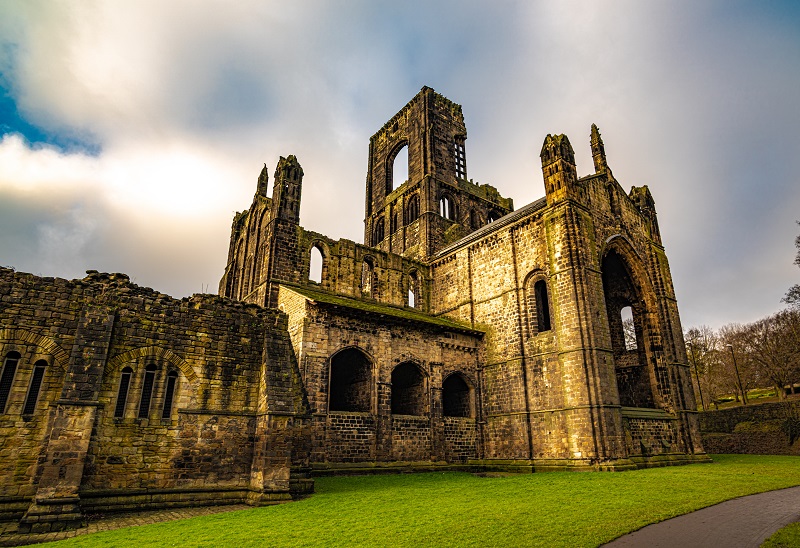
{"type": "Point", "coordinates": [315, 265]}
{"type": "Point", "coordinates": [169, 394]}
{"type": "Point", "coordinates": [7, 377]}
{"type": "Point", "coordinates": [493, 216]}
{"type": "Point", "coordinates": [35, 387]}
{"type": "Point", "coordinates": [147, 391]}
{"type": "Point", "coordinates": [474, 221]}
{"type": "Point", "coordinates": [350, 383]}
{"type": "Point", "coordinates": [408, 390]}
{"type": "Point", "coordinates": [412, 209]}
{"type": "Point", "coordinates": [122, 395]}
{"type": "Point", "coordinates": [542, 306]}
{"type": "Point", "coordinates": [456, 397]}
{"type": "Point", "coordinates": [378, 233]}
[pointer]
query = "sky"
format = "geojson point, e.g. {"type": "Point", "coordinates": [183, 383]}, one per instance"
{"type": "Point", "coordinates": [130, 132]}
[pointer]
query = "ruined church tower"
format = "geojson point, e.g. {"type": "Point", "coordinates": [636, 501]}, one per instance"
{"type": "Point", "coordinates": [437, 204]}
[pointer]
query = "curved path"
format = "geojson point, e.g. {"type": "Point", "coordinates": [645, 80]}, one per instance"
{"type": "Point", "coordinates": [744, 522]}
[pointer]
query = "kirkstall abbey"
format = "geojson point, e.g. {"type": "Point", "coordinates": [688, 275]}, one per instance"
{"type": "Point", "coordinates": [462, 334]}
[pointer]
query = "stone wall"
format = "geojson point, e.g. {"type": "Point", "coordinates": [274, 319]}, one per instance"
{"type": "Point", "coordinates": [148, 395]}
{"type": "Point", "coordinates": [762, 429]}
{"type": "Point", "coordinates": [324, 328]}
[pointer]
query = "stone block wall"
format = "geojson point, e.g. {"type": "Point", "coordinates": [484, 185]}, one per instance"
{"type": "Point", "coordinates": [106, 427]}
{"type": "Point", "coordinates": [762, 429]}
{"type": "Point", "coordinates": [324, 326]}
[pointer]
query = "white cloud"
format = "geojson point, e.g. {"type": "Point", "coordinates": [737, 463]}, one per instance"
{"type": "Point", "coordinates": [186, 101]}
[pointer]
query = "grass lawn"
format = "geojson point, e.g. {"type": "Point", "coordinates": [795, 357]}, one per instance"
{"type": "Point", "coordinates": [456, 509]}
{"type": "Point", "coordinates": [788, 537]}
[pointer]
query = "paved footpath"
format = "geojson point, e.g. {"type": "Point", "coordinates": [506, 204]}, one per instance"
{"type": "Point", "coordinates": [741, 523]}
{"type": "Point", "coordinates": [118, 521]}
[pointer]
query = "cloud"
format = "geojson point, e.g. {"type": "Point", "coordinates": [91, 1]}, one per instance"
{"type": "Point", "coordinates": [183, 104]}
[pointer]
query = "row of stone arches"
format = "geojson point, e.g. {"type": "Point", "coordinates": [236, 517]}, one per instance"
{"type": "Point", "coordinates": [350, 388]}
{"type": "Point", "coordinates": [369, 283]}
{"type": "Point", "coordinates": [449, 209]}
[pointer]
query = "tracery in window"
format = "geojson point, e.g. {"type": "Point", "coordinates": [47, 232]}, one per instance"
{"type": "Point", "coordinates": [460, 158]}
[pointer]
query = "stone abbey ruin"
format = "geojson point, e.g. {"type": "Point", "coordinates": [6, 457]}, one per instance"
{"type": "Point", "coordinates": [462, 334]}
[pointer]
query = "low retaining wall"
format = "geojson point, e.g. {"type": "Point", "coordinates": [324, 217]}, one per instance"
{"type": "Point", "coordinates": [765, 429]}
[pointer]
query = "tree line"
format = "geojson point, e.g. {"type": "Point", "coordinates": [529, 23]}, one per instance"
{"type": "Point", "coordinates": [740, 357]}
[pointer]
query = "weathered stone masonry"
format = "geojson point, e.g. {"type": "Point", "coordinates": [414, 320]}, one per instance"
{"type": "Point", "coordinates": [461, 334]}
{"type": "Point", "coordinates": [213, 411]}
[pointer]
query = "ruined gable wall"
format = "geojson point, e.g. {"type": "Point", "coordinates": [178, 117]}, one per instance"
{"type": "Point", "coordinates": [342, 270]}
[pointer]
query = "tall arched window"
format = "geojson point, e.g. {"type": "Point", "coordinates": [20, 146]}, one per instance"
{"type": "Point", "coordinates": [413, 289]}
{"type": "Point", "coordinates": [315, 265]}
{"type": "Point", "coordinates": [493, 216]}
{"type": "Point", "coordinates": [542, 306]}
{"type": "Point", "coordinates": [378, 232]}
{"type": "Point", "coordinates": [350, 382]}
{"type": "Point", "coordinates": [399, 168]}
{"type": "Point", "coordinates": [122, 394]}
{"type": "Point", "coordinates": [456, 397]}
{"type": "Point", "coordinates": [408, 390]}
{"type": "Point", "coordinates": [147, 391]}
{"type": "Point", "coordinates": [7, 377]}
{"type": "Point", "coordinates": [169, 394]}
{"type": "Point", "coordinates": [538, 301]}
{"type": "Point", "coordinates": [412, 209]}
{"type": "Point", "coordinates": [629, 329]}
{"type": "Point", "coordinates": [447, 208]}
{"type": "Point", "coordinates": [34, 388]}
{"type": "Point", "coordinates": [474, 221]}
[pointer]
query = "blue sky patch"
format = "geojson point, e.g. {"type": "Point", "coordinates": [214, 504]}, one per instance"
{"type": "Point", "coordinates": [12, 122]}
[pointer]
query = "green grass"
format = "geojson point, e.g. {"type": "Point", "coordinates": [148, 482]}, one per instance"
{"type": "Point", "coordinates": [788, 537]}
{"type": "Point", "coordinates": [457, 509]}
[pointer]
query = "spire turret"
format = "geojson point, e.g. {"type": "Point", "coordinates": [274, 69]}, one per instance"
{"type": "Point", "coordinates": [263, 182]}
{"type": "Point", "coordinates": [598, 151]}
{"type": "Point", "coordinates": [286, 190]}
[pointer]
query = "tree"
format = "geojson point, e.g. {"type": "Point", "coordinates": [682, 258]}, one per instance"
{"type": "Point", "coordinates": [792, 297]}
{"type": "Point", "coordinates": [740, 371]}
{"type": "Point", "coordinates": [773, 344]}
{"type": "Point", "coordinates": [700, 342]}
